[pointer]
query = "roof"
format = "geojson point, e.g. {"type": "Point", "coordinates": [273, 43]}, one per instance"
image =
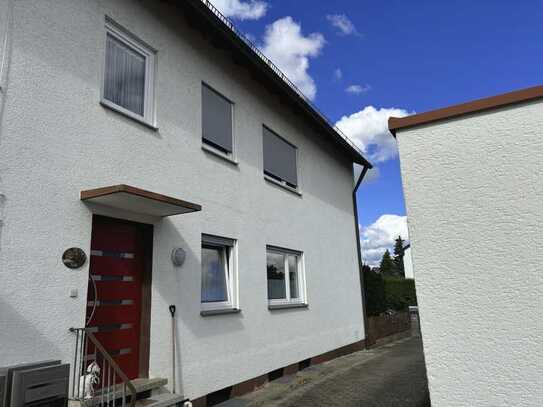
{"type": "Point", "coordinates": [395, 124]}
{"type": "Point", "coordinates": [220, 31]}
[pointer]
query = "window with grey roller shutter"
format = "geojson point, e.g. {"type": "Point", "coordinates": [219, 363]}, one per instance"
{"type": "Point", "coordinates": [279, 158]}
{"type": "Point", "coordinates": [216, 119]}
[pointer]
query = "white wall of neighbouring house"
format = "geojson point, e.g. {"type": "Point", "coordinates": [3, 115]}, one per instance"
{"type": "Point", "coordinates": [474, 195]}
{"type": "Point", "coordinates": [57, 140]}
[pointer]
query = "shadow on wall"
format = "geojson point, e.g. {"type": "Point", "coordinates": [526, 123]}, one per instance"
{"type": "Point", "coordinates": [20, 337]}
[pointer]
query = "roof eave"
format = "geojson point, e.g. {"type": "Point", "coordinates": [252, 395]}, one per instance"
{"type": "Point", "coordinates": [396, 124]}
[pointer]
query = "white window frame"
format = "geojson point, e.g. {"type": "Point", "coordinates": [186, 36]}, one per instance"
{"type": "Point", "coordinates": [300, 267]}
{"type": "Point", "coordinates": [130, 40]}
{"type": "Point", "coordinates": [230, 246]}
{"type": "Point", "coordinates": [232, 157]}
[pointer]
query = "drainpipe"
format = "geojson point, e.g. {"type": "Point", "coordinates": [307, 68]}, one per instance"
{"type": "Point", "coordinates": [358, 246]}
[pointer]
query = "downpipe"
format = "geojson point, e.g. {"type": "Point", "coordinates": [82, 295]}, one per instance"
{"type": "Point", "coordinates": [359, 246]}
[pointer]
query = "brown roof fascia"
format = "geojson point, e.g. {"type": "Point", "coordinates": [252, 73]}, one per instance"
{"type": "Point", "coordinates": [519, 96]}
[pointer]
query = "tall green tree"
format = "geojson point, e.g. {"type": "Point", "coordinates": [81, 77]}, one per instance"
{"type": "Point", "coordinates": [399, 253]}
{"type": "Point", "coordinates": [387, 267]}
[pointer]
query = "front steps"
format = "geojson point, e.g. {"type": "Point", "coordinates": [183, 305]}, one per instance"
{"type": "Point", "coordinates": [150, 393]}
{"type": "Point", "coordinates": [153, 393]}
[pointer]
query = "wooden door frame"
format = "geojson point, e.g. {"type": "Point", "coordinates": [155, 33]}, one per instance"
{"type": "Point", "coordinates": [147, 278]}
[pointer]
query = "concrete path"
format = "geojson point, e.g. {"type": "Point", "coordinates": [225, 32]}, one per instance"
{"type": "Point", "coordinates": [390, 376]}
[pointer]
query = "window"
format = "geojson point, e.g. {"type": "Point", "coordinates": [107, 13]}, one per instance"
{"type": "Point", "coordinates": [286, 278]}
{"type": "Point", "coordinates": [280, 159]}
{"type": "Point", "coordinates": [219, 273]}
{"type": "Point", "coordinates": [129, 68]}
{"type": "Point", "coordinates": [217, 121]}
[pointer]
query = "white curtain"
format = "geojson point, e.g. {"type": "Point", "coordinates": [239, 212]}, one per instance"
{"type": "Point", "coordinates": [125, 76]}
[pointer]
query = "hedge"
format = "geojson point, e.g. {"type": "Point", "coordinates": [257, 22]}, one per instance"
{"type": "Point", "coordinates": [399, 293]}
{"type": "Point", "coordinates": [385, 293]}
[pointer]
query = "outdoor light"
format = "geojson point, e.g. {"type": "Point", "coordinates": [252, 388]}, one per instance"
{"type": "Point", "coordinates": [178, 256]}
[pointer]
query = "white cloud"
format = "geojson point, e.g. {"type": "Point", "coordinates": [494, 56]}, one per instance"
{"type": "Point", "coordinates": [338, 74]}
{"type": "Point", "coordinates": [357, 89]}
{"type": "Point", "coordinates": [343, 24]}
{"type": "Point", "coordinates": [380, 236]}
{"type": "Point", "coordinates": [242, 10]}
{"type": "Point", "coordinates": [285, 44]}
{"type": "Point", "coordinates": [368, 128]}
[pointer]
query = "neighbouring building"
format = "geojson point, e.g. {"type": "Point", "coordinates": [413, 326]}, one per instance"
{"type": "Point", "coordinates": [154, 140]}
{"type": "Point", "coordinates": [472, 177]}
{"type": "Point", "coordinates": [408, 262]}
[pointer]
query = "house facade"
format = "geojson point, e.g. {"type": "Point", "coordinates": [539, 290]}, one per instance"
{"type": "Point", "coordinates": [148, 137]}
{"type": "Point", "coordinates": [474, 197]}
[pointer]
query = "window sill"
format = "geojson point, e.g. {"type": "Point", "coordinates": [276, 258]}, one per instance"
{"type": "Point", "coordinates": [279, 184]}
{"type": "Point", "coordinates": [287, 305]}
{"type": "Point", "coordinates": [125, 113]}
{"type": "Point", "coordinates": [210, 312]}
{"type": "Point", "coordinates": [219, 154]}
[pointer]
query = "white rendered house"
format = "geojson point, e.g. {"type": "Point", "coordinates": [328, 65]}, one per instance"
{"type": "Point", "coordinates": [472, 177]}
{"type": "Point", "coordinates": [153, 139]}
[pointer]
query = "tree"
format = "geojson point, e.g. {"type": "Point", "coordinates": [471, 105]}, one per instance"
{"type": "Point", "coordinates": [374, 291]}
{"type": "Point", "coordinates": [387, 265]}
{"type": "Point", "coordinates": [399, 253]}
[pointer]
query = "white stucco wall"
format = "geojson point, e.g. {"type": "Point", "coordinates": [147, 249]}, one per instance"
{"type": "Point", "coordinates": [474, 197]}
{"type": "Point", "coordinates": [57, 140]}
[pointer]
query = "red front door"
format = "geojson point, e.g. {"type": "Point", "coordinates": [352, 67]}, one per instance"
{"type": "Point", "coordinates": [115, 290]}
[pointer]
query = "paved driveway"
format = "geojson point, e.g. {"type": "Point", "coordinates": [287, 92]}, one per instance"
{"type": "Point", "coordinates": [391, 376]}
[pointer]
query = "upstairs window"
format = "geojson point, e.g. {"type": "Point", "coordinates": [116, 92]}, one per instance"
{"type": "Point", "coordinates": [280, 159]}
{"type": "Point", "coordinates": [128, 75]}
{"type": "Point", "coordinates": [219, 273]}
{"type": "Point", "coordinates": [217, 121]}
{"type": "Point", "coordinates": [286, 278]}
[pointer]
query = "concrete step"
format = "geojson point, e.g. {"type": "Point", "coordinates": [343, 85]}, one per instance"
{"type": "Point", "coordinates": [145, 387]}
{"type": "Point", "coordinates": [161, 400]}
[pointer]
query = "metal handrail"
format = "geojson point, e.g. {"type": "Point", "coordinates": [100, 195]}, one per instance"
{"type": "Point", "coordinates": [277, 71]}
{"type": "Point", "coordinates": [109, 372]}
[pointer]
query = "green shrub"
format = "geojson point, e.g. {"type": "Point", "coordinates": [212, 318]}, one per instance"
{"type": "Point", "coordinates": [384, 293]}
{"type": "Point", "coordinates": [375, 292]}
{"type": "Point", "coordinates": [399, 293]}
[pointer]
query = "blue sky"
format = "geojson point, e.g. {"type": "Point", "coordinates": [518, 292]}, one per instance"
{"type": "Point", "coordinates": [412, 56]}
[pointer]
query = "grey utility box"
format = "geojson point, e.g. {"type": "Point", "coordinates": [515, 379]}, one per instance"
{"type": "Point", "coordinates": [7, 374]}
{"type": "Point", "coordinates": [43, 386]}
{"type": "Point", "coordinates": [3, 381]}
